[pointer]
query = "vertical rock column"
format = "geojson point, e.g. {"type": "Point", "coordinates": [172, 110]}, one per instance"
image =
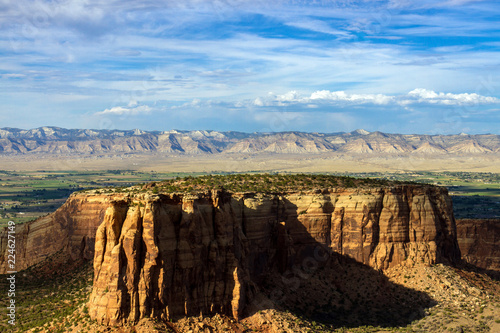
{"type": "Point", "coordinates": [106, 297]}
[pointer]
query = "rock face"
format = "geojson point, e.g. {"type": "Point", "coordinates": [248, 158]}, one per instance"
{"type": "Point", "coordinates": [479, 242]}
{"type": "Point", "coordinates": [169, 255]}
{"type": "Point", "coordinates": [70, 229]}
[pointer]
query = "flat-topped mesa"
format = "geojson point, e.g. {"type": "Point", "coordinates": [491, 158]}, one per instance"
{"type": "Point", "coordinates": [71, 230]}
{"type": "Point", "coordinates": [171, 255]}
{"type": "Point", "coordinates": [202, 250]}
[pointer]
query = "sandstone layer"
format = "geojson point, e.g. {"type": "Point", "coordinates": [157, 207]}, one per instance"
{"type": "Point", "coordinates": [172, 255]}
{"type": "Point", "coordinates": [479, 241]}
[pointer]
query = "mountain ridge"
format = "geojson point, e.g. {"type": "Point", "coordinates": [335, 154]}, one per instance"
{"type": "Point", "coordinates": [55, 140]}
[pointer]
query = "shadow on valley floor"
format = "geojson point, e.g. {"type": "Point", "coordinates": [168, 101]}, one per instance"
{"type": "Point", "coordinates": [467, 267]}
{"type": "Point", "coordinates": [342, 293]}
{"type": "Point", "coordinates": [314, 283]}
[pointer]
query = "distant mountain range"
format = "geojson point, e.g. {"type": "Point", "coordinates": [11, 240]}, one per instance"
{"type": "Point", "coordinates": [54, 140]}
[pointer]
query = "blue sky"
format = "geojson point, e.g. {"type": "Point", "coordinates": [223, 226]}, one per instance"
{"type": "Point", "coordinates": [321, 66]}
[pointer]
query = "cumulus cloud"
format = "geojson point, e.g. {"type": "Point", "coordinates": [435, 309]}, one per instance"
{"type": "Point", "coordinates": [131, 109]}
{"type": "Point", "coordinates": [421, 95]}
{"type": "Point", "coordinates": [354, 98]}
{"type": "Point", "coordinates": [291, 97]}
{"type": "Point", "coordinates": [322, 96]}
{"type": "Point", "coordinates": [416, 96]}
{"type": "Point", "coordinates": [197, 103]}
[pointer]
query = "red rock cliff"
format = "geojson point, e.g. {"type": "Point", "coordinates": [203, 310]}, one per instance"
{"type": "Point", "coordinates": [71, 229]}
{"type": "Point", "coordinates": [174, 255]}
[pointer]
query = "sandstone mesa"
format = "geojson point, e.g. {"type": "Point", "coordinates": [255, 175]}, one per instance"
{"type": "Point", "coordinates": [170, 255]}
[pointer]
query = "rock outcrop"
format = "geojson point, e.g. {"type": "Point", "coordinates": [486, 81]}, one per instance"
{"type": "Point", "coordinates": [71, 230]}
{"type": "Point", "coordinates": [479, 242]}
{"type": "Point", "coordinates": [171, 255]}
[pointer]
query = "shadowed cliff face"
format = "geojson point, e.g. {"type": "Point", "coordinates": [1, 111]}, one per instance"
{"type": "Point", "coordinates": [174, 255]}
{"type": "Point", "coordinates": [479, 242]}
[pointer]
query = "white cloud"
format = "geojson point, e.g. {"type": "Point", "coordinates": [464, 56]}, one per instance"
{"type": "Point", "coordinates": [354, 98]}
{"type": "Point", "coordinates": [258, 102]}
{"type": "Point", "coordinates": [322, 97]}
{"type": "Point", "coordinates": [416, 96]}
{"type": "Point", "coordinates": [290, 96]}
{"type": "Point", "coordinates": [196, 103]}
{"type": "Point", "coordinates": [421, 95]}
{"type": "Point", "coordinates": [131, 109]}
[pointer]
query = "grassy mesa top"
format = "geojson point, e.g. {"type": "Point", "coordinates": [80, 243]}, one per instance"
{"type": "Point", "coordinates": [261, 183]}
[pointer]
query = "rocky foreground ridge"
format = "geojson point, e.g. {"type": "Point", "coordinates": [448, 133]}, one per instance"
{"type": "Point", "coordinates": [168, 255]}
{"type": "Point", "coordinates": [55, 140]}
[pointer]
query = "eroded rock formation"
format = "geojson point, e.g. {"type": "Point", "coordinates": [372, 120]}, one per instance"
{"type": "Point", "coordinates": [71, 229]}
{"type": "Point", "coordinates": [173, 255]}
